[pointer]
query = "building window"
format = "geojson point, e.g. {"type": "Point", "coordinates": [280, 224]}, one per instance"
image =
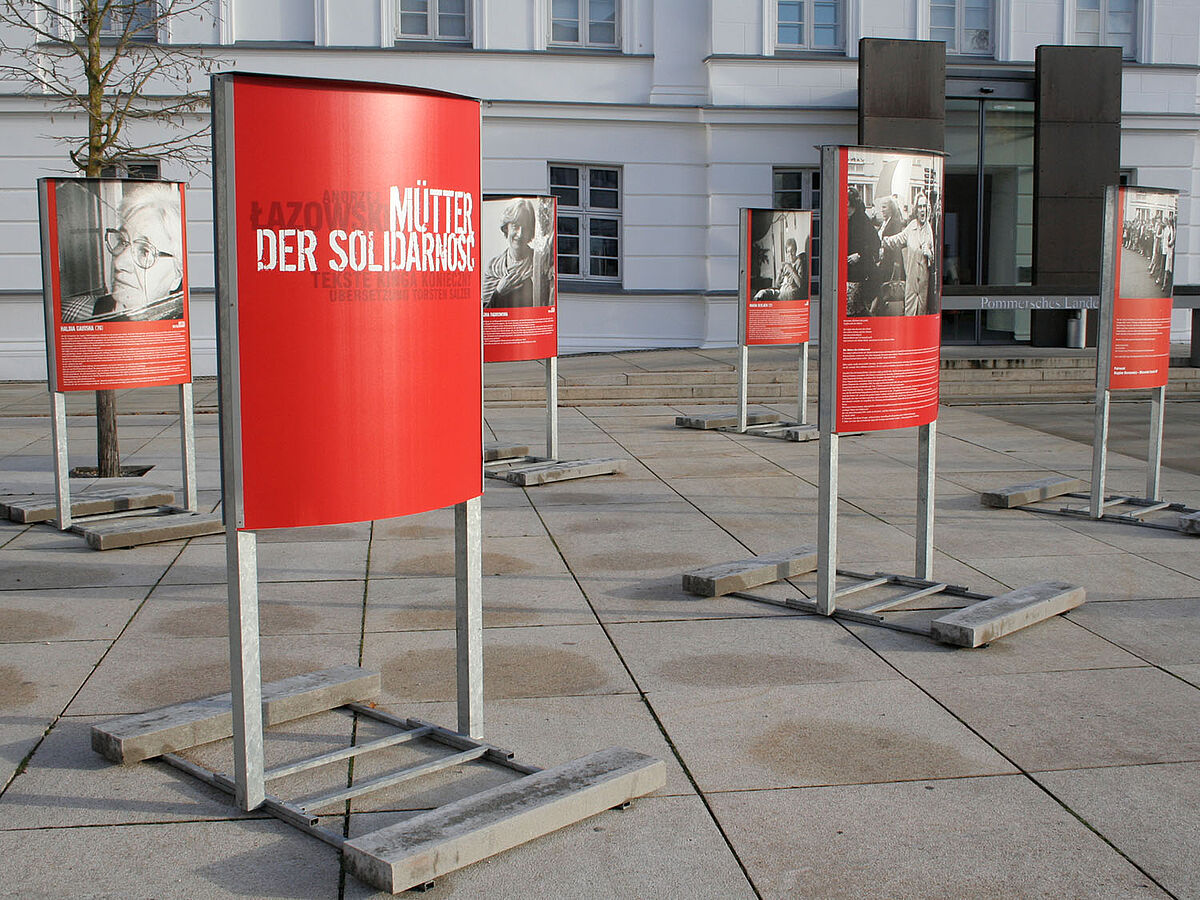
{"type": "Point", "coordinates": [808, 25]}
{"type": "Point", "coordinates": [134, 20]}
{"type": "Point", "coordinates": [434, 20]}
{"type": "Point", "coordinates": [1107, 23]}
{"type": "Point", "coordinates": [584, 23]}
{"type": "Point", "coordinates": [965, 25]}
{"type": "Point", "coordinates": [801, 189]}
{"type": "Point", "coordinates": [589, 221]}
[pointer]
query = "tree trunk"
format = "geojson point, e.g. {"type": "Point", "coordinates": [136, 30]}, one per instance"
{"type": "Point", "coordinates": [108, 452]}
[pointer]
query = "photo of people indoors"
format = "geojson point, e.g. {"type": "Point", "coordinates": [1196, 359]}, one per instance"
{"type": "Point", "coordinates": [121, 251]}
{"type": "Point", "coordinates": [893, 235]}
{"type": "Point", "coordinates": [1148, 244]}
{"type": "Point", "coordinates": [778, 254]}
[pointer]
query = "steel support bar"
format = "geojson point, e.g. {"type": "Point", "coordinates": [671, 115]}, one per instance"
{"type": "Point", "coordinates": [281, 809]}
{"type": "Point", "coordinates": [926, 470]}
{"type": "Point", "coordinates": [1146, 510]}
{"type": "Point", "coordinates": [849, 615]}
{"type": "Point", "coordinates": [245, 666]}
{"type": "Point", "coordinates": [552, 407]}
{"type": "Point", "coordinates": [394, 778]}
{"type": "Point", "coordinates": [832, 252]}
{"type": "Point", "coordinates": [1099, 455]}
{"type": "Point", "coordinates": [314, 762]}
{"type": "Point", "coordinates": [468, 614]}
{"type": "Point", "coordinates": [902, 599]}
{"type": "Point", "coordinates": [62, 467]}
{"type": "Point", "coordinates": [802, 412]}
{"type": "Point", "coordinates": [866, 585]}
{"type": "Point", "coordinates": [743, 376]}
{"type": "Point", "coordinates": [187, 447]}
{"type": "Point", "coordinates": [1109, 247]}
{"type": "Point", "coordinates": [1154, 459]}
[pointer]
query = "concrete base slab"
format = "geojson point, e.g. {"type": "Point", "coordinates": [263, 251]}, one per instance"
{"type": "Point", "coordinates": [133, 531]}
{"type": "Point", "coordinates": [716, 421]}
{"type": "Point", "coordinates": [724, 578]}
{"type": "Point", "coordinates": [782, 431]}
{"type": "Point", "coordinates": [496, 451]}
{"type": "Point", "coordinates": [427, 846]}
{"type": "Point", "coordinates": [1032, 491]}
{"type": "Point", "coordinates": [1190, 523]}
{"type": "Point", "coordinates": [30, 508]}
{"type": "Point", "coordinates": [131, 739]}
{"type": "Point", "coordinates": [988, 620]}
{"type": "Point", "coordinates": [547, 471]}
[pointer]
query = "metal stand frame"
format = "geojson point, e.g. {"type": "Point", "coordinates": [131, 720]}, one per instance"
{"type": "Point", "coordinates": [769, 425]}
{"type": "Point", "coordinates": [121, 516]}
{"type": "Point", "coordinates": [514, 464]}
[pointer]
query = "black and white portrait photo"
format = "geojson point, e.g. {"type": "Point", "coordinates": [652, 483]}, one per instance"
{"type": "Point", "coordinates": [777, 254]}
{"type": "Point", "coordinates": [120, 251]}
{"type": "Point", "coordinates": [893, 234]}
{"type": "Point", "coordinates": [1148, 243]}
{"type": "Point", "coordinates": [518, 252]}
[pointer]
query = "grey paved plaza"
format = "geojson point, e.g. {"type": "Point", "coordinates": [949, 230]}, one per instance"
{"type": "Point", "coordinates": [806, 757]}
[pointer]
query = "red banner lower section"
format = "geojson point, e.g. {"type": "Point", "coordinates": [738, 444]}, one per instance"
{"type": "Point", "coordinates": [1141, 348]}
{"type": "Point", "coordinates": [777, 322]}
{"type": "Point", "coordinates": [888, 369]}
{"type": "Point", "coordinates": [520, 333]}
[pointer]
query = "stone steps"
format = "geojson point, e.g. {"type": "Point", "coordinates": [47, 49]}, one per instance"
{"type": "Point", "coordinates": [962, 380]}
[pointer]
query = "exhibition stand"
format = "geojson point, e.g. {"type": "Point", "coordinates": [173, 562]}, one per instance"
{"type": "Point", "coordinates": [520, 323]}
{"type": "Point", "coordinates": [1133, 354]}
{"type": "Point", "coordinates": [880, 362]}
{"type": "Point", "coordinates": [337, 334]}
{"type": "Point", "coordinates": [114, 276]}
{"type": "Point", "coordinates": [773, 310]}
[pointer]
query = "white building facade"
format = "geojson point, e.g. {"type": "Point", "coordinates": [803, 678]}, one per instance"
{"type": "Point", "coordinates": [655, 122]}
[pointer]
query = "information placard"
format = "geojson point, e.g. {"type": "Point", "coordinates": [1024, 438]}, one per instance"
{"type": "Point", "coordinates": [114, 266]}
{"type": "Point", "coordinates": [774, 284]}
{"type": "Point", "coordinates": [1144, 277]}
{"type": "Point", "coordinates": [349, 261]}
{"type": "Point", "coordinates": [520, 278]}
{"type": "Point", "coordinates": [889, 289]}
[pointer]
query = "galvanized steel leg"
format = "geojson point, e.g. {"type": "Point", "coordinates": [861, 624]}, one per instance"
{"type": "Point", "coordinates": [1099, 454]}
{"type": "Point", "coordinates": [743, 365]}
{"type": "Point", "coordinates": [62, 471]}
{"type": "Point", "coordinates": [552, 407]}
{"type": "Point", "coordinates": [827, 494]}
{"type": "Point", "coordinates": [1154, 461]}
{"type": "Point", "coordinates": [245, 667]}
{"type": "Point", "coordinates": [802, 413]}
{"type": "Point", "coordinates": [926, 470]}
{"type": "Point", "coordinates": [187, 446]}
{"type": "Point", "coordinates": [468, 617]}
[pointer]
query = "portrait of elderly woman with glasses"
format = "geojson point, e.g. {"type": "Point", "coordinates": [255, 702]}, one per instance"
{"type": "Point", "coordinates": [143, 275]}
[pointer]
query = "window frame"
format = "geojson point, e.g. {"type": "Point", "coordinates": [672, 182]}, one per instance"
{"type": "Point", "coordinates": [809, 26]}
{"type": "Point", "coordinates": [432, 34]}
{"type": "Point", "coordinates": [111, 31]}
{"type": "Point", "coordinates": [960, 29]}
{"type": "Point", "coordinates": [583, 21]}
{"type": "Point", "coordinates": [586, 213]}
{"type": "Point", "coordinates": [810, 196]}
{"type": "Point", "coordinates": [1104, 37]}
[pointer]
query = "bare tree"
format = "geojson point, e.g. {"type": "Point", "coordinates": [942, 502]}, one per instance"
{"type": "Point", "coordinates": [102, 60]}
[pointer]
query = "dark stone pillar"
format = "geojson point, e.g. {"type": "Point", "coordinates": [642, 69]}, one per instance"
{"type": "Point", "coordinates": [1076, 155]}
{"type": "Point", "coordinates": [902, 94]}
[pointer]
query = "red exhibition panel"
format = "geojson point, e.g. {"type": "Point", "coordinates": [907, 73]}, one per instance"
{"type": "Point", "coordinates": [1143, 262]}
{"type": "Point", "coordinates": [520, 278]}
{"type": "Point", "coordinates": [889, 290]}
{"type": "Point", "coordinates": [359, 348]}
{"type": "Point", "coordinates": [775, 276]}
{"type": "Point", "coordinates": [117, 298]}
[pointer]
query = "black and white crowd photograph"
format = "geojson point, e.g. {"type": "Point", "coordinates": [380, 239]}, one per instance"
{"type": "Point", "coordinates": [1148, 243]}
{"type": "Point", "coordinates": [893, 234]}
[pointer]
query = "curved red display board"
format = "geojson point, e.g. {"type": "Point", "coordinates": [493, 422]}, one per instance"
{"type": "Point", "coordinates": [1144, 263]}
{"type": "Point", "coordinates": [114, 274]}
{"type": "Point", "coordinates": [889, 289]}
{"type": "Point", "coordinates": [352, 324]}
